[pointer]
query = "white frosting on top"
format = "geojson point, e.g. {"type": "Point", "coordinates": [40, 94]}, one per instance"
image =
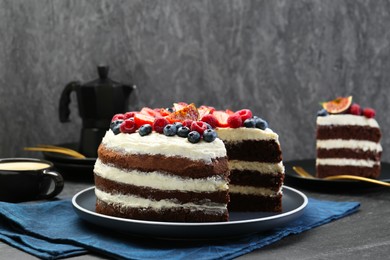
{"type": "Point", "coordinates": [349, 144]}
{"type": "Point", "coordinates": [345, 162]}
{"type": "Point", "coordinates": [243, 133]}
{"type": "Point", "coordinates": [159, 180]}
{"type": "Point", "coordinates": [156, 143]}
{"type": "Point", "coordinates": [347, 119]}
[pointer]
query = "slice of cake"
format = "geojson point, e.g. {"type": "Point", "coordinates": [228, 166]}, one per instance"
{"type": "Point", "coordinates": [255, 163]}
{"type": "Point", "coordinates": [348, 140]}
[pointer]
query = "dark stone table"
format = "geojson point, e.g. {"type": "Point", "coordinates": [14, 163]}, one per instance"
{"type": "Point", "coordinates": [363, 235]}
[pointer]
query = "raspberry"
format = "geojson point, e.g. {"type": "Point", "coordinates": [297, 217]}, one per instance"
{"type": "Point", "coordinates": [210, 119]}
{"type": "Point", "coordinates": [199, 127]}
{"type": "Point", "coordinates": [369, 112]}
{"type": "Point", "coordinates": [159, 124]}
{"type": "Point", "coordinates": [187, 123]}
{"type": "Point", "coordinates": [118, 117]}
{"type": "Point", "coordinates": [355, 109]}
{"type": "Point", "coordinates": [128, 115]}
{"type": "Point", "coordinates": [244, 114]}
{"type": "Point", "coordinates": [234, 121]}
{"type": "Point", "coordinates": [128, 126]}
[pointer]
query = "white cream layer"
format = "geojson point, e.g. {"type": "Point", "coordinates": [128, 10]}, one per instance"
{"type": "Point", "coordinates": [349, 144]}
{"type": "Point", "coordinates": [159, 180]}
{"type": "Point", "coordinates": [256, 166]}
{"type": "Point", "coordinates": [156, 143]}
{"type": "Point", "coordinates": [347, 120]}
{"type": "Point", "coordinates": [346, 162]}
{"type": "Point", "coordinates": [137, 202]}
{"type": "Point", "coordinates": [243, 133]}
{"type": "Point", "coordinates": [253, 190]}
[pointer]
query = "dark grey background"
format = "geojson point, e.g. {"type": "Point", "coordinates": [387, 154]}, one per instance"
{"type": "Point", "coordinates": [278, 58]}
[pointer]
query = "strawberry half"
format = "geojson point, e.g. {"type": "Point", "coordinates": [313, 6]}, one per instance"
{"type": "Point", "coordinates": [234, 121]}
{"type": "Point", "coordinates": [221, 117]}
{"type": "Point", "coordinates": [141, 119]}
{"type": "Point", "coordinates": [148, 112]}
{"type": "Point", "coordinates": [211, 120]}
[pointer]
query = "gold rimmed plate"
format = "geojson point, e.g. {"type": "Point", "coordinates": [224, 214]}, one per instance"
{"type": "Point", "coordinates": [316, 184]}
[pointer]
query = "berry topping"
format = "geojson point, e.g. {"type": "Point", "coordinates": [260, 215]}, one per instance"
{"type": "Point", "coordinates": [193, 137]}
{"type": "Point", "coordinates": [128, 115]}
{"type": "Point", "coordinates": [209, 135]}
{"type": "Point", "coordinates": [250, 123]}
{"type": "Point", "coordinates": [115, 126]}
{"type": "Point", "coordinates": [145, 130]}
{"type": "Point", "coordinates": [234, 121]}
{"type": "Point", "coordinates": [261, 123]}
{"type": "Point", "coordinates": [170, 130]}
{"type": "Point", "coordinates": [210, 119]}
{"type": "Point", "coordinates": [205, 110]}
{"type": "Point", "coordinates": [159, 124]}
{"type": "Point", "coordinates": [118, 117]}
{"type": "Point", "coordinates": [355, 109]}
{"type": "Point", "coordinates": [221, 117]}
{"type": "Point", "coordinates": [198, 126]}
{"type": "Point", "coordinates": [187, 123]}
{"type": "Point", "coordinates": [178, 124]}
{"type": "Point", "coordinates": [322, 112]}
{"type": "Point", "coordinates": [141, 119]}
{"type": "Point", "coordinates": [244, 114]}
{"type": "Point", "coordinates": [183, 131]}
{"type": "Point", "coordinates": [149, 112]}
{"type": "Point", "coordinates": [338, 105]}
{"type": "Point", "coordinates": [179, 105]}
{"type": "Point", "coordinates": [128, 126]}
{"type": "Point", "coordinates": [369, 112]}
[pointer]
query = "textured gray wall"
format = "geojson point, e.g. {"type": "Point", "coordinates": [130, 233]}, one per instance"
{"type": "Point", "coordinates": [278, 58]}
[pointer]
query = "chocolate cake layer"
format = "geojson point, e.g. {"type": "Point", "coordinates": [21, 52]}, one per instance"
{"type": "Point", "coordinates": [254, 151]}
{"type": "Point", "coordinates": [240, 202]}
{"type": "Point", "coordinates": [349, 153]}
{"type": "Point", "coordinates": [347, 132]}
{"type": "Point", "coordinates": [169, 215]}
{"type": "Point", "coordinates": [255, 179]}
{"type": "Point", "coordinates": [179, 166]}
{"type": "Point", "coordinates": [154, 194]}
{"type": "Point", "coordinates": [330, 170]}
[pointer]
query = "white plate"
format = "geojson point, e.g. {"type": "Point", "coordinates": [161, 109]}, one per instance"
{"type": "Point", "coordinates": [241, 223]}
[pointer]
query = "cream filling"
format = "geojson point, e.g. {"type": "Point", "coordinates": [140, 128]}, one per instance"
{"type": "Point", "coordinates": [159, 180]}
{"type": "Point", "coordinates": [347, 162]}
{"type": "Point", "coordinates": [243, 133]}
{"type": "Point", "coordinates": [156, 143]}
{"type": "Point", "coordinates": [137, 202]}
{"type": "Point", "coordinates": [347, 120]}
{"type": "Point", "coordinates": [247, 190]}
{"type": "Point", "coordinates": [349, 144]}
{"type": "Point", "coordinates": [256, 166]}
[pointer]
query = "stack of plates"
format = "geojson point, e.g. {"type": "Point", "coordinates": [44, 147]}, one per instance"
{"type": "Point", "coordinates": [72, 168]}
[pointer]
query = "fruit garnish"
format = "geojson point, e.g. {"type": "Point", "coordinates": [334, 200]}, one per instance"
{"type": "Point", "coordinates": [198, 126]}
{"type": "Point", "coordinates": [170, 130]}
{"type": "Point", "coordinates": [128, 126]}
{"type": "Point", "coordinates": [115, 126]}
{"type": "Point", "coordinates": [369, 112]}
{"type": "Point", "coordinates": [141, 119]}
{"type": "Point", "coordinates": [261, 123]}
{"type": "Point", "coordinates": [179, 105]}
{"type": "Point", "coordinates": [229, 112]}
{"type": "Point", "coordinates": [234, 121]}
{"type": "Point", "coordinates": [193, 137]}
{"type": "Point", "coordinates": [322, 112]}
{"type": "Point", "coordinates": [149, 112]}
{"type": "Point", "coordinates": [159, 124]}
{"type": "Point", "coordinates": [128, 115]}
{"type": "Point", "coordinates": [355, 109]}
{"type": "Point", "coordinates": [244, 114]}
{"type": "Point", "coordinates": [205, 110]}
{"type": "Point", "coordinates": [250, 123]}
{"type": "Point", "coordinates": [222, 118]}
{"type": "Point", "coordinates": [163, 111]}
{"type": "Point", "coordinates": [183, 131]}
{"type": "Point", "coordinates": [118, 117]}
{"type": "Point", "coordinates": [209, 135]}
{"type": "Point", "coordinates": [210, 119]}
{"type": "Point", "coordinates": [145, 130]}
{"type": "Point", "coordinates": [338, 105]}
{"type": "Point", "coordinates": [188, 112]}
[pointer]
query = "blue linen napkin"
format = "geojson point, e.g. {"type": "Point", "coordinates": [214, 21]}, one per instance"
{"type": "Point", "coordinates": [52, 230]}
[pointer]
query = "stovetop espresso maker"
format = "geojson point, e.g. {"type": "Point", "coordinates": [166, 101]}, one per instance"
{"type": "Point", "coordinates": [98, 101]}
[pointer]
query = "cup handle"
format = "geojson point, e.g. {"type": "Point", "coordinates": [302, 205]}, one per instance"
{"type": "Point", "coordinates": [58, 184]}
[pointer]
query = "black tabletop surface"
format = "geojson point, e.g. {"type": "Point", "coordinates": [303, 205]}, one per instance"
{"type": "Point", "coordinates": [363, 235]}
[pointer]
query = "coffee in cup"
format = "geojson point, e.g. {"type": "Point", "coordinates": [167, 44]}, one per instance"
{"type": "Point", "coordinates": [24, 179]}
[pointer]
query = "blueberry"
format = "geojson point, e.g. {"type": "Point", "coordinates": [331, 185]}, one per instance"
{"type": "Point", "coordinates": [145, 129]}
{"type": "Point", "coordinates": [169, 130]}
{"type": "Point", "coordinates": [193, 137]}
{"type": "Point", "coordinates": [250, 123]}
{"type": "Point", "coordinates": [183, 131]}
{"type": "Point", "coordinates": [261, 123]}
{"type": "Point", "coordinates": [178, 125]}
{"type": "Point", "coordinates": [322, 112]}
{"type": "Point", "coordinates": [169, 109]}
{"type": "Point", "coordinates": [115, 126]}
{"type": "Point", "coordinates": [209, 135]}
{"type": "Point", "coordinates": [208, 125]}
